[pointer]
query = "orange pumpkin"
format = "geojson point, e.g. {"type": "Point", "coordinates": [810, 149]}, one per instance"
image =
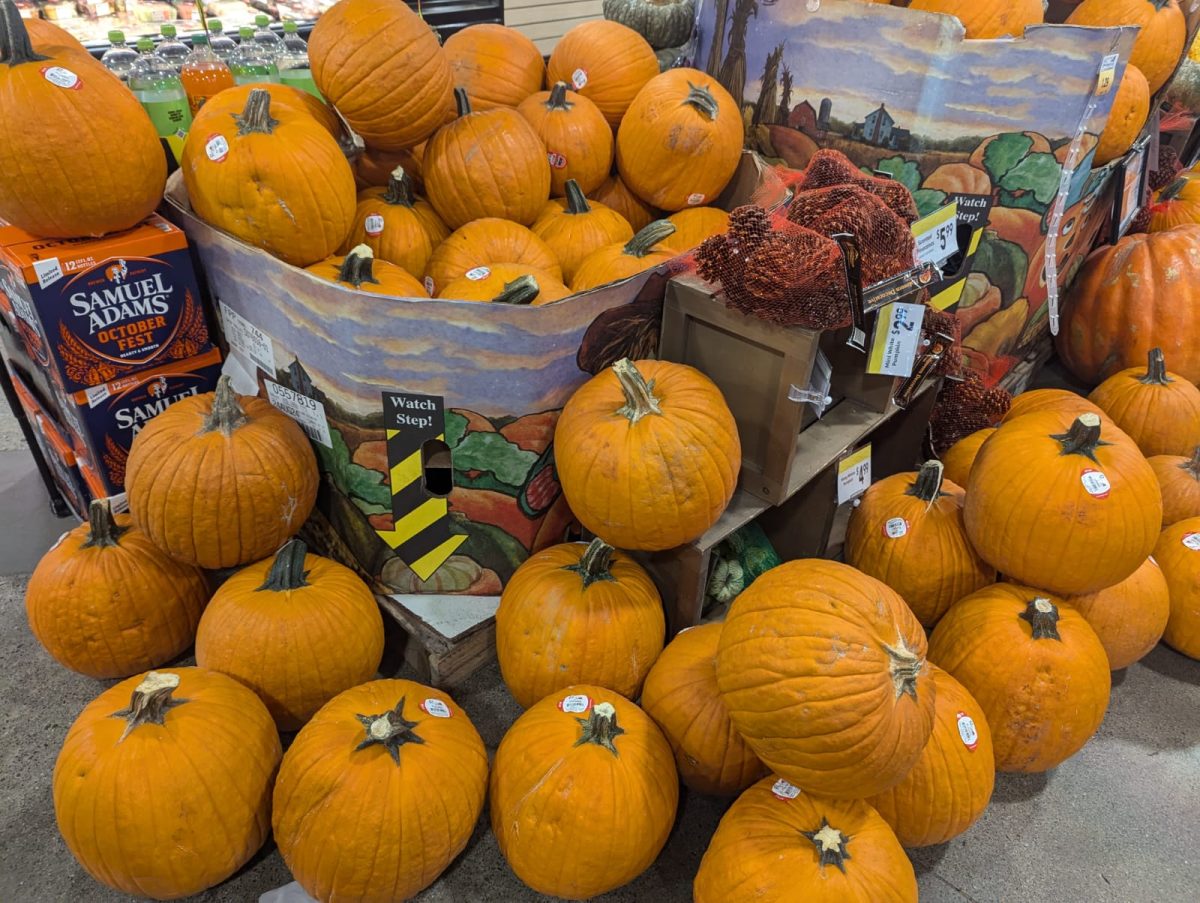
{"type": "Point", "coordinates": [779, 842]}
{"type": "Point", "coordinates": [960, 178]}
{"type": "Point", "coordinates": [1160, 42]}
{"type": "Point", "coordinates": [581, 764]}
{"type": "Point", "coordinates": [1035, 667]}
{"type": "Point", "coordinates": [615, 194]}
{"type": "Point", "coordinates": [390, 760]}
{"type": "Point", "coordinates": [43, 33]}
{"type": "Point", "coordinates": [1176, 205]}
{"type": "Point", "coordinates": [1179, 480]}
{"type": "Point", "coordinates": [618, 261]}
{"type": "Point", "coordinates": [1159, 410]}
{"type": "Point", "coordinates": [374, 168]}
{"type": "Point", "coordinates": [695, 224]}
{"type": "Point", "coordinates": [507, 283]}
{"type": "Point", "coordinates": [578, 139]}
{"type": "Point", "coordinates": [798, 632]}
{"type": "Point", "coordinates": [1130, 617]}
{"type": "Point", "coordinates": [58, 180]}
{"type": "Point", "coordinates": [497, 66]}
{"type": "Point", "coordinates": [960, 457]}
{"type": "Point", "coordinates": [483, 243]}
{"type": "Point", "coordinates": [908, 532]}
{"type": "Point", "coordinates": [359, 270]}
{"type": "Point", "coordinates": [606, 62]}
{"type": "Point", "coordinates": [647, 454]}
{"type": "Point", "coordinates": [490, 163]}
{"type": "Point", "coordinates": [681, 696]}
{"type": "Point", "coordinates": [232, 101]}
{"type": "Point", "coordinates": [106, 602]}
{"type": "Point", "coordinates": [392, 223]}
{"type": "Point", "coordinates": [1058, 400]}
{"type": "Point", "coordinates": [573, 229]}
{"type": "Point", "coordinates": [382, 66]}
{"type": "Point", "coordinates": [1130, 107]}
{"type": "Point", "coordinates": [1177, 555]}
{"type": "Point", "coordinates": [987, 18]}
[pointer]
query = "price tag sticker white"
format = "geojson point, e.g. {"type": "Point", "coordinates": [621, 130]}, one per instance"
{"type": "Point", "coordinates": [937, 235]}
{"type": "Point", "coordinates": [1191, 541]}
{"type": "Point", "coordinates": [895, 528]}
{"type": "Point", "coordinates": [436, 708]}
{"type": "Point", "coordinates": [308, 412]}
{"type": "Point", "coordinates": [784, 790]}
{"type": "Point", "coordinates": [896, 340]}
{"type": "Point", "coordinates": [854, 474]}
{"type": "Point", "coordinates": [967, 731]}
{"type": "Point", "coordinates": [1095, 483]}
{"type": "Point", "coordinates": [575, 704]}
{"type": "Point", "coordinates": [247, 339]}
{"type": "Point", "coordinates": [373, 224]}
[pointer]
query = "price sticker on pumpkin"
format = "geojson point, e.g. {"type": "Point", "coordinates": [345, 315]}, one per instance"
{"type": "Point", "coordinates": [854, 474]}
{"type": "Point", "coordinates": [308, 412]}
{"type": "Point", "coordinates": [556, 160]}
{"type": "Point", "coordinates": [216, 148]}
{"type": "Point", "coordinates": [785, 791]}
{"type": "Point", "coordinates": [61, 78]}
{"type": "Point", "coordinates": [477, 273]}
{"type": "Point", "coordinates": [936, 235]}
{"type": "Point", "coordinates": [373, 224]}
{"type": "Point", "coordinates": [1192, 541]}
{"type": "Point", "coordinates": [575, 704]}
{"type": "Point", "coordinates": [895, 528]}
{"type": "Point", "coordinates": [695, 199]}
{"type": "Point", "coordinates": [1095, 483]}
{"type": "Point", "coordinates": [897, 339]}
{"type": "Point", "coordinates": [435, 708]}
{"type": "Point", "coordinates": [578, 79]}
{"type": "Point", "coordinates": [967, 731]}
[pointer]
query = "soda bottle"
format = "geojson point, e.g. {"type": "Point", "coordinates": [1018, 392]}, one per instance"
{"type": "Point", "coordinates": [171, 49]}
{"type": "Point", "coordinates": [265, 38]}
{"type": "Point", "coordinates": [250, 64]}
{"type": "Point", "coordinates": [120, 57]}
{"type": "Point", "coordinates": [223, 46]}
{"type": "Point", "coordinates": [203, 75]}
{"type": "Point", "coordinates": [294, 68]}
{"type": "Point", "coordinates": [154, 82]}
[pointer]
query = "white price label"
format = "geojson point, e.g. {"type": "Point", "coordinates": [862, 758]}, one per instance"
{"type": "Point", "coordinates": [937, 235]}
{"type": "Point", "coordinates": [216, 148]}
{"type": "Point", "coordinates": [308, 412]}
{"type": "Point", "coordinates": [436, 708]}
{"type": "Point", "coordinates": [373, 224]}
{"type": "Point", "coordinates": [896, 340]}
{"type": "Point", "coordinates": [695, 200]}
{"type": "Point", "coordinates": [247, 339]}
{"type": "Point", "coordinates": [895, 528]}
{"type": "Point", "coordinates": [1192, 541]}
{"type": "Point", "coordinates": [1095, 483]}
{"type": "Point", "coordinates": [784, 790]}
{"type": "Point", "coordinates": [575, 704]}
{"type": "Point", "coordinates": [854, 474]}
{"type": "Point", "coordinates": [477, 273]}
{"type": "Point", "coordinates": [62, 78]}
{"type": "Point", "coordinates": [556, 160]}
{"type": "Point", "coordinates": [578, 78]}
{"type": "Point", "coordinates": [48, 271]}
{"type": "Point", "coordinates": [967, 731]}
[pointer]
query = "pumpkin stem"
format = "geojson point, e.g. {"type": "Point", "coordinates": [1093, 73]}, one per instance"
{"type": "Point", "coordinates": [15, 46]}
{"type": "Point", "coordinates": [558, 97]}
{"type": "Point", "coordinates": [600, 727]}
{"type": "Point", "coordinates": [831, 845]}
{"type": "Point", "coordinates": [1083, 438]}
{"type": "Point", "coordinates": [256, 117]}
{"type": "Point", "coordinates": [905, 666]}
{"type": "Point", "coordinates": [643, 243]}
{"type": "Point", "coordinates": [103, 531]}
{"type": "Point", "coordinates": [1042, 615]}
{"type": "Point", "coordinates": [390, 730]}
{"type": "Point", "coordinates": [226, 414]}
{"type": "Point", "coordinates": [399, 189]}
{"type": "Point", "coordinates": [639, 395]}
{"type": "Point", "coordinates": [150, 701]}
{"type": "Point", "coordinates": [1172, 191]}
{"type": "Point", "coordinates": [1192, 465]}
{"type": "Point", "coordinates": [1156, 370]}
{"type": "Point", "coordinates": [701, 98]}
{"type": "Point", "coordinates": [287, 570]}
{"type": "Point", "coordinates": [577, 202]}
{"type": "Point", "coordinates": [462, 101]}
{"type": "Point", "coordinates": [596, 563]}
{"type": "Point", "coordinates": [358, 267]}
{"type": "Point", "coordinates": [521, 290]}
{"type": "Point", "coordinates": [928, 484]}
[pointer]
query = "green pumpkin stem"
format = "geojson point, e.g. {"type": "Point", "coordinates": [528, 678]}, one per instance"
{"type": "Point", "coordinates": [1083, 437]}
{"type": "Point", "coordinates": [639, 395]}
{"type": "Point", "coordinates": [1192, 464]}
{"type": "Point", "coordinates": [1156, 370]}
{"type": "Point", "coordinates": [577, 201]}
{"type": "Point", "coordinates": [522, 290]}
{"type": "Point", "coordinates": [905, 667]}
{"type": "Point", "coordinates": [1042, 615]}
{"type": "Point", "coordinates": [643, 243]}
{"type": "Point", "coordinates": [255, 118]}
{"type": "Point", "coordinates": [150, 701]}
{"type": "Point", "coordinates": [399, 191]}
{"type": "Point", "coordinates": [558, 97]}
{"type": "Point", "coordinates": [358, 267]}
{"type": "Point", "coordinates": [15, 46]}
{"type": "Point", "coordinates": [390, 730]}
{"type": "Point", "coordinates": [287, 570]}
{"type": "Point", "coordinates": [462, 101]}
{"type": "Point", "coordinates": [701, 98]}
{"type": "Point", "coordinates": [103, 531]}
{"type": "Point", "coordinates": [1172, 191]}
{"type": "Point", "coordinates": [226, 414]}
{"type": "Point", "coordinates": [928, 484]}
{"type": "Point", "coordinates": [831, 845]}
{"type": "Point", "coordinates": [600, 727]}
{"type": "Point", "coordinates": [596, 563]}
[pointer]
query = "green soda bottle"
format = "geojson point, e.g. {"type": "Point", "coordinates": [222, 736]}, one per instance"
{"type": "Point", "coordinates": [250, 64]}
{"type": "Point", "coordinates": [155, 83]}
{"type": "Point", "coordinates": [294, 68]}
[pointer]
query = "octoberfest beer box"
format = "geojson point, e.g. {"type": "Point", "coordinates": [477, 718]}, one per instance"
{"type": "Point", "coordinates": [56, 449]}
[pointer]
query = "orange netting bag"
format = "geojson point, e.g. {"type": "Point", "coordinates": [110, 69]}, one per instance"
{"type": "Point", "coordinates": [964, 406]}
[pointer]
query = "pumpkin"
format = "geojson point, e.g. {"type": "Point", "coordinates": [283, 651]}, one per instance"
{"type": "Point", "coordinates": [1058, 400]}
{"type": "Point", "coordinates": [663, 23]}
{"type": "Point", "coordinates": [44, 33]}
{"type": "Point", "coordinates": [232, 101]}
{"type": "Point", "coordinates": [1131, 297]}
{"type": "Point", "coordinates": [373, 168]}
{"type": "Point", "coordinates": [606, 62]}
{"type": "Point", "coordinates": [578, 614]}
{"type": "Point", "coordinates": [388, 222]}
{"type": "Point", "coordinates": [394, 763]}
{"type": "Point", "coordinates": [573, 228]}
{"type": "Point", "coordinates": [798, 632]}
{"type": "Point", "coordinates": [987, 18]}
{"type": "Point", "coordinates": [647, 454]}
{"type": "Point", "coordinates": [681, 695]}
{"type": "Point", "coordinates": [1176, 554]}
{"type": "Point", "coordinates": [1179, 480]}
{"type": "Point", "coordinates": [1159, 410]}
{"type": "Point", "coordinates": [220, 479]}
{"type": "Point", "coordinates": [581, 764]}
{"type": "Point", "coordinates": [693, 225]}
{"type": "Point", "coordinates": [680, 140]}
{"type": "Point", "coordinates": [240, 172]}
{"type": "Point", "coordinates": [1127, 118]}
{"type": "Point", "coordinates": [201, 751]}
{"type": "Point", "coordinates": [486, 164]}
{"type": "Point", "coordinates": [1035, 667]}
{"type": "Point", "coordinates": [615, 194]}
{"type": "Point", "coordinates": [778, 842]}
{"type": "Point", "coordinates": [483, 243]}
{"type": "Point", "coordinates": [1129, 618]}
{"type": "Point", "coordinates": [359, 270]}
{"type": "Point", "coordinates": [105, 602]}
{"type": "Point", "coordinates": [382, 66]}
{"type": "Point", "coordinates": [618, 261]}
{"type": "Point", "coordinates": [908, 532]}
{"type": "Point", "coordinates": [1178, 204]}
{"type": "Point", "coordinates": [959, 178]}
{"type": "Point", "coordinates": [58, 180]}
{"type": "Point", "coordinates": [1160, 42]}
{"type": "Point", "coordinates": [1069, 507]}
{"type": "Point", "coordinates": [507, 283]}
{"type": "Point", "coordinates": [497, 66]}
{"type": "Point", "coordinates": [578, 139]}
{"type": "Point", "coordinates": [960, 457]}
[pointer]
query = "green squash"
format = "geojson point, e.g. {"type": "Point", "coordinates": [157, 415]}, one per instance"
{"type": "Point", "coordinates": [664, 23]}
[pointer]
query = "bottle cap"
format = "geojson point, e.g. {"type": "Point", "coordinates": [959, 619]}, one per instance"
{"type": "Point", "coordinates": [199, 40]}
{"type": "Point", "coordinates": [116, 37]}
{"type": "Point", "coordinates": [214, 25]}
{"type": "Point", "coordinates": [168, 31]}
{"type": "Point", "coordinates": [262, 20]}
{"type": "Point", "coordinates": [245, 32]}
{"type": "Point", "coordinates": [289, 27]}
{"type": "Point", "coordinates": [145, 45]}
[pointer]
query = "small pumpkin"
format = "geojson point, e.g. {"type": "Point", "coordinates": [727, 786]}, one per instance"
{"type": "Point", "coordinates": [396, 226]}
{"type": "Point", "coordinates": [578, 139]}
{"type": "Point", "coordinates": [647, 454]}
{"type": "Point", "coordinates": [680, 140]}
{"type": "Point", "coordinates": [573, 228]}
{"type": "Point", "coordinates": [373, 168]}
{"type": "Point", "coordinates": [987, 18]}
{"type": "Point", "coordinates": [822, 669]}
{"type": "Point", "coordinates": [105, 602]}
{"type": "Point", "coordinates": [681, 695]}
{"type": "Point", "coordinates": [615, 194]}
{"type": "Point", "coordinates": [582, 763]}
{"type": "Point", "coordinates": [201, 750]}
{"type": "Point", "coordinates": [1160, 40]}
{"type": "Point", "coordinates": [1130, 107]}
{"type": "Point", "coordinates": [1129, 618]}
{"type": "Point", "coordinates": [1178, 204]}
{"type": "Point", "coordinates": [360, 271]}
{"type": "Point", "coordinates": [606, 62]}
{"type": "Point", "coordinates": [779, 842]}
{"type": "Point", "coordinates": [220, 479]}
{"type": "Point", "coordinates": [483, 243]}
{"type": "Point", "coordinates": [1059, 400]}
{"type": "Point", "coordinates": [497, 66]}
{"type": "Point", "coordinates": [663, 23]}
{"type": "Point", "coordinates": [232, 101]}
{"type": "Point", "coordinates": [960, 457]}
{"type": "Point", "coordinates": [1179, 480]}
{"type": "Point", "coordinates": [1177, 555]}
{"type": "Point", "coordinates": [485, 164]}
{"type": "Point", "coordinates": [390, 760]}
{"type": "Point", "coordinates": [1035, 667]}
{"type": "Point", "coordinates": [578, 614]}
{"type": "Point", "coordinates": [507, 283]}
{"type": "Point", "coordinates": [908, 532]}
{"type": "Point", "coordinates": [695, 224]}
{"type": "Point", "coordinates": [618, 261]}
{"type": "Point", "coordinates": [1159, 410]}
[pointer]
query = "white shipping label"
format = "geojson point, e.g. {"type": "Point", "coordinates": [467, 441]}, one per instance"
{"type": "Point", "coordinates": [247, 339]}
{"type": "Point", "coordinates": [308, 412]}
{"type": "Point", "coordinates": [48, 271]}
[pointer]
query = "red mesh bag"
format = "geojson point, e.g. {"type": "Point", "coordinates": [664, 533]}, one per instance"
{"type": "Point", "coordinates": [829, 167]}
{"type": "Point", "coordinates": [884, 239]}
{"type": "Point", "coordinates": [938, 323]}
{"type": "Point", "coordinates": [964, 406]}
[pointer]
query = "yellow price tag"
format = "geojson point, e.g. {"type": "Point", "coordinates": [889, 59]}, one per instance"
{"type": "Point", "coordinates": [854, 474]}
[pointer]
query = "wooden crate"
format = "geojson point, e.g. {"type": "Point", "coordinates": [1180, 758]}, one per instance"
{"type": "Point", "coordinates": [445, 639]}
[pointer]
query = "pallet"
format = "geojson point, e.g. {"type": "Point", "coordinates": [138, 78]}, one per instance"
{"type": "Point", "coordinates": [446, 638]}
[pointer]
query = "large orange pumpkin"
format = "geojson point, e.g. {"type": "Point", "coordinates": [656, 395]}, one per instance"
{"type": "Point", "coordinates": [58, 178]}
{"type": "Point", "coordinates": [382, 66]}
{"type": "Point", "coordinates": [1179, 480]}
{"type": "Point", "coordinates": [373, 168]}
{"type": "Point", "coordinates": [1176, 205]}
{"type": "Point", "coordinates": [1069, 507]}
{"type": "Point", "coordinates": [1034, 665]}
{"type": "Point", "coordinates": [695, 224]}
{"type": "Point", "coordinates": [1160, 42]}
{"type": "Point", "coordinates": [908, 532]}
{"type": "Point", "coordinates": [987, 18]}
{"type": "Point", "coordinates": [360, 271]}
{"type": "Point", "coordinates": [1059, 400]}
{"type": "Point", "coordinates": [106, 602]}
{"type": "Point", "coordinates": [823, 671]}
{"type": "Point", "coordinates": [618, 261]}
{"type": "Point", "coordinates": [507, 283]}
{"type": "Point", "coordinates": [574, 228]}
{"type": "Point", "coordinates": [647, 454]}
{"type": "Point", "coordinates": [615, 194]}
{"type": "Point", "coordinates": [1130, 617]}
{"type": "Point", "coordinates": [960, 457]}
{"type": "Point", "coordinates": [1130, 107]}
{"type": "Point", "coordinates": [393, 763]}
{"type": "Point", "coordinates": [582, 764]}
{"type": "Point", "coordinates": [606, 62]}
{"type": "Point", "coordinates": [396, 226]}
{"type": "Point", "coordinates": [221, 479]}
{"type": "Point", "coordinates": [44, 33]}
{"type": "Point", "coordinates": [232, 101]}
{"type": "Point", "coordinates": [1178, 554]}
{"type": "Point", "coordinates": [681, 696]}
{"type": "Point", "coordinates": [1159, 410]}
{"type": "Point", "coordinates": [483, 243]}
{"type": "Point", "coordinates": [201, 751]}
{"type": "Point", "coordinates": [578, 139]}
{"type": "Point", "coordinates": [497, 66]}
{"type": "Point", "coordinates": [778, 842]}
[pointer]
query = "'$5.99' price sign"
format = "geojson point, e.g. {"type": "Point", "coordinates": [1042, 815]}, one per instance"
{"type": "Point", "coordinates": [937, 235]}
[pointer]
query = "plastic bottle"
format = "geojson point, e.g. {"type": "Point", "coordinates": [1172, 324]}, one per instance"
{"type": "Point", "coordinates": [265, 38]}
{"type": "Point", "coordinates": [203, 75]}
{"type": "Point", "coordinates": [223, 46]}
{"type": "Point", "coordinates": [250, 64]}
{"type": "Point", "coordinates": [294, 68]}
{"type": "Point", "coordinates": [171, 49]}
{"type": "Point", "coordinates": [154, 82]}
{"type": "Point", "coordinates": [120, 57]}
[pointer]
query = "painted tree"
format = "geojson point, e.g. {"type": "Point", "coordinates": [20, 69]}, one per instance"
{"type": "Point", "coordinates": [733, 68]}
{"type": "Point", "coordinates": [785, 97]}
{"type": "Point", "coordinates": [718, 38]}
{"type": "Point", "coordinates": [768, 104]}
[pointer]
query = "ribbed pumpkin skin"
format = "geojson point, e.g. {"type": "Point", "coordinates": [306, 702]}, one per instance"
{"type": "Point", "coordinates": [1181, 566]}
{"type": "Point", "coordinates": [43, 32]}
{"type": "Point", "coordinates": [113, 610]}
{"type": "Point", "coordinates": [220, 500]}
{"type": "Point", "coordinates": [485, 242]}
{"type": "Point", "coordinates": [578, 139]}
{"type": "Point", "coordinates": [960, 457]}
{"type": "Point", "coordinates": [613, 63]}
{"type": "Point", "coordinates": [951, 784]}
{"type": "Point", "coordinates": [572, 237]}
{"type": "Point", "coordinates": [613, 263]}
{"type": "Point", "coordinates": [374, 167]}
{"type": "Point", "coordinates": [795, 634]}
{"type": "Point", "coordinates": [1179, 480]}
{"type": "Point", "coordinates": [695, 224]}
{"type": "Point", "coordinates": [1030, 514]}
{"type": "Point", "coordinates": [615, 194]}
{"type": "Point", "coordinates": [381, 65]}
{"type": "Point", "coordinates": [499, 275]}
{"type": "Point", "coordinates": [405, 238]}
{"type": "Point", "coordinates": [987, 18]}
{"type": "Point", "coordinates": [498, 66]}
{"type": "Point", "coordinates": [233, 100]}
{"type": "Point", "coordinates": [357, 825]}
{"type": "Point", "coordinates": [681, 696]}
{"type": "Point", "coordinates": [1159, 410]}
{"type": "Point", "coordinates": [1043, 698]}
{"type": "Point", "coordinates": [573, 818]}
{"type": "Point", "coordinates": [1177, 205]}
{"type": "Point", "coordinates": [386, 278]}
{"type": "Point", "coordinates": [1130, 107]}
{"type": "Point", "coordinates": [1128, 618]}
{"type": "Point", "coordinates": [1160, 42]}
{"type": "Point", "coordinates": [760, 852]}
{"type": "Point", "coordinates": [1036, 401]}
{"type": "Point", "coordinates": [200, 803]}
